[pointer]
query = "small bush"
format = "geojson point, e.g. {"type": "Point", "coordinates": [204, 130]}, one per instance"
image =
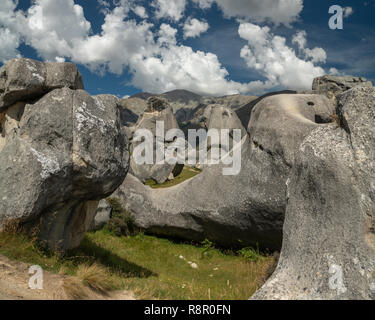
{"type": "Point", "coordinates": [122, 221]}
{"type": "Point", "coordinates": [250, 253]}
{"type": "Point", "coordinates": [208, 247]}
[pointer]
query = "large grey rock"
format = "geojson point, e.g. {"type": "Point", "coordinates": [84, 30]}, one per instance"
{"type": "Point", "coordinates": [328, 248]}
{"type": "Point", "coordinates": [233, 101]}
{"type": "Point", "coordinates": [135, 107]}
{"type": "Point", "coordinates": [185, 104]}
{"type": "Point", "coordinates": [218, 117]}
{"type": "Point", "coordinates": [26, 80]}
{"type": "Point", "coordinates": [335, 85]}
{"type": "Point", "coordinates": [158, 109]}
{"type": "Point", "coordinates": [244, 112]}
{"type": "Point", "coordinates": [239, 210]}
{"type": "Point", "coordinates": [102, 215]}
{"type": "Point", "coordinates": [61, 155]}
{"type": "Point", "coordinates": [279, 123]}
{"type": "Point", "coordinates": [222, 117]}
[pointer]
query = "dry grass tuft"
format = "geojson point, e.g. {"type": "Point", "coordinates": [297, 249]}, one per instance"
{"type": "Point", "coordinates": [95, 277]}
{"type": "Point", "coordinates": [270, 268]}
{"type": "Point", "coordinates": [74, 289]}
{"type": "Point", "coordinates": [11, 227]}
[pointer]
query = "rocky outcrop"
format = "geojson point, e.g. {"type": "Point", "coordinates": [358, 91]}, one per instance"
{"type": "Point", "coordinates": [279, 123]}
{"type": "Point", "coordinates": [328, 248]}
{"type": "Point", "coordinates": [26, 80]}
{"type": "Point", "coordinates": [132, 109]}
{"type": "Point", "coordinates": [102, 216]}
{"type": "Point", "coordinates": [158, 109]}
{"type": "Point", "coordinates": [217, 117]}
{"type": "Point", "coordinates": [59, 155]}
{"type": "Point", "coordinates": [185, 104]}
{"type": "Point", "coordinates": [332, 86]}
{"type": "Point", "coordinates": [244, 112]}
{"type": "Point", "coordinates": [238, 210]}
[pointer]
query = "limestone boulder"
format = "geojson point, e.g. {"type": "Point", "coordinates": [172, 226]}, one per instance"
{"type": "Point", "coordinates": [26, 80]}
{"type": "Point", "coordinates": [158, 110]}
{"type": "Point", "coordinates": [234, 210]}
{"type": "Point", "coordinates": [328, 249]}
{"type": "Point", "coordinates": [332, 86]}
{"type": "Point", "coordinates": [102, 216]}
{"type": "Point", "coordinates": [59, 157]}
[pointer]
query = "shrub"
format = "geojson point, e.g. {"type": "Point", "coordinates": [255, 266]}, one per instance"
{"type": "Point", "coordinates": [208, 246]}
{"type": "Point", "coordinates": [250, 253]}
{"type": "Point", "coordinates": [122, 221]}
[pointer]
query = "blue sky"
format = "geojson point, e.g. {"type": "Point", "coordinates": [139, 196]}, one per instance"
{"type": "Point", "coordinates": [212, 47]}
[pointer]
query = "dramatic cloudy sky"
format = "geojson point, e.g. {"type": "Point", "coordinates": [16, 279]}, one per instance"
{"type": "Point", "coordinates": [212, 47]}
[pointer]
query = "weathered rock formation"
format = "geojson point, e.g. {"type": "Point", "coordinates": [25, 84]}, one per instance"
{"type": "Point", "coordinates": [332, 86]}
{"type": "Point", "coordinates": [102, 215]}
{"type": "Point", "coordinates": [217, 117]}
{"type": "Point", "coordinates": [157, 110]}
{"type": "Point", "coordinates": [26, 79]}
{"type": "Point", "coordinates": [244, 112]}
{"type": "Point", "coordinates": [244, 209]}
{"type": "Point", "coordinates": [185, 104]}
{"type": "Point", "coordinates": [61, 151]}
{"type": "Point", "coordinates": [328, 248]}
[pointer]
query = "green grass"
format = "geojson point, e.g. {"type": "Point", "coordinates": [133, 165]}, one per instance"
{"type": "Point", "coordinates": [187, 173]}
{"type": "Point", "coordinates": [151, 267]}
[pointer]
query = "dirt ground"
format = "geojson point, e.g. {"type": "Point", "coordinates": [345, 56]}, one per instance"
{"type": "Point", "coordinates": [14, 285]}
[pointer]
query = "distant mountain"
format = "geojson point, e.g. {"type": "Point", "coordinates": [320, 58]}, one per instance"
{"type": "Point", "coordinates": [142, 95]}
{"type": "Point", "coordinates": [175, 95]}
{"type": "Point", "coordinates": [182, 96]}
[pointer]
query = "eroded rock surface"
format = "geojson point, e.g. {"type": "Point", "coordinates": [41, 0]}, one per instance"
{"type": "Point", "coordinates": [59, 156]}
{"type": "Point", "coordinates": [244, 209]}
{"type": "Point", "coordinates": [328, 248]}
{"type": "Point", "coordinates": [335, 85]}
{"type": "Point", "coordinates": [158, 110]}
{"type": "Point", "coordinates": [27, 79]}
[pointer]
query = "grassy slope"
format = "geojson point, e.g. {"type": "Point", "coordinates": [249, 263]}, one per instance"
{"type": "Point", "coordinates": [151, 267]}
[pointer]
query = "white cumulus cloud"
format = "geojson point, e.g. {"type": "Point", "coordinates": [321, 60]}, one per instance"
{"type": "Point", "coordinates": [279, 64]}
{"type": "Point", "coordinates": [316, 55]}
{"type": "Point", "coordinates": [194, 28]}
{"type": "Point", "coordinates": [157, 62]}
{"type": "Point", "coordinates": [275, 11]}
{"type": "Point", "coordinates": [169, 9]}
{"type": "Point", "coordinates": [204, 4]}
{"type": "Point", "coordinates": [348, 11]}
{"type": "Point", "coordinates": [141, 12]}
{"type": "Point", "coordinates": [9, 44]}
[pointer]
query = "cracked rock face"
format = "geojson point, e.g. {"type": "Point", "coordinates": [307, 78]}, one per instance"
{"type": "Point", "coordinates": [58, 157]}
{"type": "Point", "coordinates": [328, 248]}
